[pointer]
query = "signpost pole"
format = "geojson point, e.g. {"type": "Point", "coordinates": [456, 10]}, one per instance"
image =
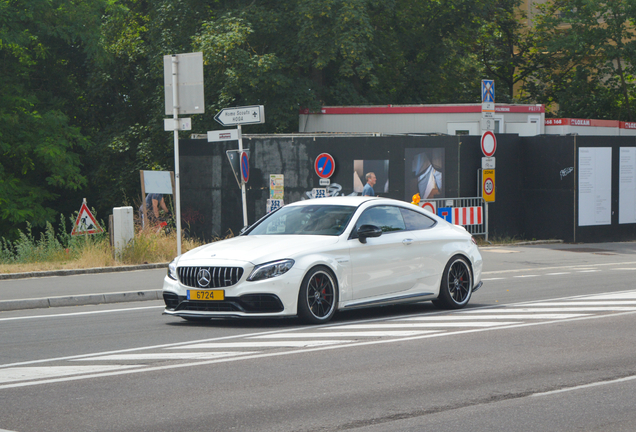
{"type": "Point", "coordinates": [175, 114]}
{"type": "Point", "coordinates": [243, 194]}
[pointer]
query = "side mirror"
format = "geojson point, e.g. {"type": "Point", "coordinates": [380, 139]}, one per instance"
{"type": "Point", "coordinates": [366, 231]}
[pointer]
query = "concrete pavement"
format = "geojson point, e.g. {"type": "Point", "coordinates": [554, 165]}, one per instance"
{"type": "Point", "coordinates": [80, 287]}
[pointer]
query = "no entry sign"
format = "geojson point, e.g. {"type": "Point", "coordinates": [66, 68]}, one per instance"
{"type": "Point", "coordinates": [325, 165]}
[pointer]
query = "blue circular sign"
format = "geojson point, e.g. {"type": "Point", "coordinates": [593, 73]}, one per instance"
{"type": "Point", "coordinates": [325, 165]}
{"type": "Point", "coordinates": [245, 167]}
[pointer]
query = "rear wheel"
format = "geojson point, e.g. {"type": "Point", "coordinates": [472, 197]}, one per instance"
{"type": "Point", "coordinates": [318, 296]}
{"type": "Point", "coordinates": [457, 284]}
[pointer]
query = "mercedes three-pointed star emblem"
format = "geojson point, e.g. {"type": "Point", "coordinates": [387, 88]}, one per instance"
{"type": "Point", "coordinates": [203, 278]}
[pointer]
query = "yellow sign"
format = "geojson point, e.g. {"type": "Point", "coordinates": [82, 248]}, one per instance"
{"type": "Point", "coordinates": [488, 185]}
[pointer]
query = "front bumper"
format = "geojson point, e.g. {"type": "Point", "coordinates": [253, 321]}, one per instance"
{"type": "Point", "coordinates": [275, 297]}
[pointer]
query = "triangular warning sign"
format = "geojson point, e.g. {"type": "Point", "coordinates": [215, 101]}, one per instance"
{"type": "Point", "coordinates": [86, 223]}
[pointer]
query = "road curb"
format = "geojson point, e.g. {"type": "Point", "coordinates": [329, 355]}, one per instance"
{"type": "Point", "coordinates": [6, 276]}
{"type": "Point", "coordinates": [80, 300]}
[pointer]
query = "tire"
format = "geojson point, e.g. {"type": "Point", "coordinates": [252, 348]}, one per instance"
{"type": "Point", "coordinates": [457, 284]}
{"type": "Point", "coordinates": [318, 296]}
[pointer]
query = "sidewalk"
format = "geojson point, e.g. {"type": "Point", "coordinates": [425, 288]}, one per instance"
{"type": "Point", "coordinates": [81, 287]}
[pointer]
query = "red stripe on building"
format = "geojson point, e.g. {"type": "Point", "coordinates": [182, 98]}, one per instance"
{"type": "Point", "coordinates": [425, 109]}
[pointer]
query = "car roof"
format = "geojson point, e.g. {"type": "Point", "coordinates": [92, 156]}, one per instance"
{"type": "Point", "coordinates": [346, 201]}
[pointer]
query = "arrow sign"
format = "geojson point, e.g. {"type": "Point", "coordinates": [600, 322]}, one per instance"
{"type": "Point", "coordinates": [241, 115]}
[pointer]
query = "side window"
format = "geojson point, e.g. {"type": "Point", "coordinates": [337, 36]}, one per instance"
{"type": "Point", "coordinates": [388, 218]}
{"type": "Point", "coordinates": [415, 220]}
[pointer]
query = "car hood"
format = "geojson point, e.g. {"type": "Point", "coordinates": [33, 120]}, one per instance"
{"type": "Point", "coordinates": [258, 249]}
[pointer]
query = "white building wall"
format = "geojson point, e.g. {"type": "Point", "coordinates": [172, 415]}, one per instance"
{"type": "Point", "coordinates": [424, 119]}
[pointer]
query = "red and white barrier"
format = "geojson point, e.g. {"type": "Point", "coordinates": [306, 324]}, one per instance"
{"type": "Point", "coordinates": [467, 216]}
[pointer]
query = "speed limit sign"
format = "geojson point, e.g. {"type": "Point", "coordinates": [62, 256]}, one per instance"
{"type": "Point", "coordinates": [488, 185]}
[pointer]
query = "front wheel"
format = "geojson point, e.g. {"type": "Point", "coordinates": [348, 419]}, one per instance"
{"type": "Point", "coordinates": [457, 285]}
{"type": "Point", "coordinates": [318, 296]}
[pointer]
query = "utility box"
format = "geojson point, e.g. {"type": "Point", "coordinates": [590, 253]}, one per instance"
{"type": "Point", "coordinates": [123, 228]}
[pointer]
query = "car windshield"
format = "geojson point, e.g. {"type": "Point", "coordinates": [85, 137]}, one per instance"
{"type": "Point", "coordinates": [306, 220]}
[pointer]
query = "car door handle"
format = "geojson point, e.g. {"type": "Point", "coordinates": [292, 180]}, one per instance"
{"type": "Point", "coordinates": [407, 241]}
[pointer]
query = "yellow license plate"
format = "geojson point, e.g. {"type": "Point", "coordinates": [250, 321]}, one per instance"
{"type": "Point", "coordinates": [206, 295]}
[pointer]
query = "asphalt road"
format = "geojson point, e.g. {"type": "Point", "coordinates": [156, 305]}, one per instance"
{"type": "Point", "coordinates": [546, 345]}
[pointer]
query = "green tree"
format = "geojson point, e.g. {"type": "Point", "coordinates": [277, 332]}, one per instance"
{"type": "Point", "coordinates": [46, 51]}
{"type": "Point", "coordinates": [583, 58]}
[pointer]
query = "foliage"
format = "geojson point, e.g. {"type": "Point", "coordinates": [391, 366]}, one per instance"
{"type": "Point", "coordinates": [61, 250]}
{"type": "Point", "coordinates": [583, 58]}
{"type": "Point", "coordinates": [82, 95]}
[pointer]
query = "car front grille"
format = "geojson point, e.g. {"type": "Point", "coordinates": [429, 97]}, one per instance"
{"type": "Point", "coordinates": [209, 277]}
{"type": "Point", "coordinates": [249, 303]}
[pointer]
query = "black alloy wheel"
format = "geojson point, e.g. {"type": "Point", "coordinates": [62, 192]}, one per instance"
{"type": "Point", "coordinates": [318, 296]}
{"type": "Point", "coordinates": [457, 284]}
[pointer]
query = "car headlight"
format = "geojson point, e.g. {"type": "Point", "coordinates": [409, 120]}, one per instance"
{"type": "Point", "coordinates": [270, 270]}
{"type": "Point", "coordinates": [172, 270]}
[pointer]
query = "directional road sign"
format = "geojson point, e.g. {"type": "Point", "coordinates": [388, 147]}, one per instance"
{"type": "Point", "coordinates": [241, 115]}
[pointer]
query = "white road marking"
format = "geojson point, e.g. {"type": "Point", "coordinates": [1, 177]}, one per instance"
{"type": "Point", "coordinates": [492, 279]}
{"type": "Point", "coordinates": [294, 352]}
{"type": "Point", "coordinates": [588, 271]}
{"type": "Point", "coordinates": [614, 296]}
{"type": "Point", "coordinates": [263, 344]}
{"type": "Point", "coordinates": [558, 274]}
{"type": "Point", "coordinates": [584, 302]}
{"type": "Point", "coordinates": [525, 276]}
{"type": "Point", "coordinates": [64, 315]}
{"type": "Point", "coordinates": [421, 325]}
{"type": "Point", "coordinates": [167, 356]}
{"type": "Point", "coordinates": [345, 334]}
{"type": "Point", "coordinates": [596, 384]}
{"type": "Point", "coordinates": [568, 267]}
{"type": "Point", "coordinates": [35, 373]}
{"type": "Point", "coordinates": [496, 317]}
{"type": "Point", "coordinates": [630, 268]}
{"type": "Point", "coordinates": [532, 309]}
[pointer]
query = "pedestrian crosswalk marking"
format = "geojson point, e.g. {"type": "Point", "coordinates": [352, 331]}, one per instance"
{"type": "Point", "coordinates": [543, 316]}
{"type": "Point", "coordinates": [166, 356]}
{"type": "Point", "coordinates": [34, 373]}
{"type": "Point", "coordinates": [397, 325]}
{"type": "Point", "coordinates": [261, 344]}
{"type": "Point", "coordinates": [561, 309]}
{"type": "Point", "coordinates": [345, 334]}
{"type": "Point", "coordinates": [312, 339]}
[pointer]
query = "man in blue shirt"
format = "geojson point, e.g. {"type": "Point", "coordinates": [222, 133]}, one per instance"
{"type": "Point", "coordinates": [368, 188]}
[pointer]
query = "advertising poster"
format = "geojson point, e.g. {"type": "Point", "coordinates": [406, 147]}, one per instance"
{"type": "Point", "coordinates": [381, 170]}
{"type": "Point", "coordinates": [424, 173]}
{"type": "Point", "coordinates": [276, 186]}
{"type": "Point", "coordinates": [627, 186]}
{"type": "Point", "coordinates": [595, 186]}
